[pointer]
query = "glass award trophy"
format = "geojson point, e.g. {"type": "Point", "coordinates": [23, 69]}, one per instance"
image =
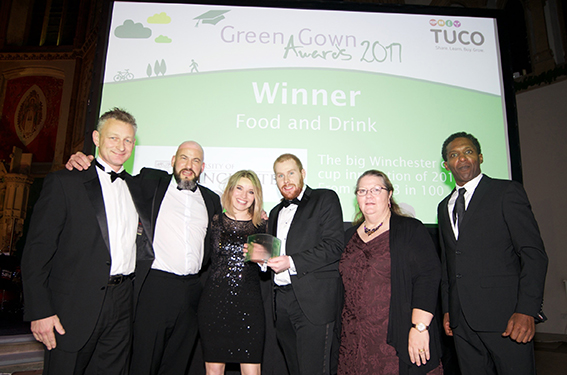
{"type": "Point", "coordinates": [262, 247]}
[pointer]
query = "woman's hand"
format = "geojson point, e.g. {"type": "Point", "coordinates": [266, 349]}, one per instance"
{"type": "Point", "coordinates": [418, 346]}
{"type": "Point", "coordinates": [418, 342]}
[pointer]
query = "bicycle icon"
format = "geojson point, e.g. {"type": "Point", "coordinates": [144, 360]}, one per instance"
{"type": "Point", "coordinates": [123, 76]}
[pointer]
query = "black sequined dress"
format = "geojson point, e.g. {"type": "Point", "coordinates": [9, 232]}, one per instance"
{"type": "Point", "coordinates": [231, 312]}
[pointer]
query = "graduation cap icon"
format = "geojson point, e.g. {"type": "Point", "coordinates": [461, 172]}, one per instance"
{"type": "Point", "coordinates": [212, 17]}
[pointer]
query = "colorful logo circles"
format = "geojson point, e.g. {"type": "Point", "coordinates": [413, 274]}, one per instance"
{"type": "Point", "coordinates": [447, 23]}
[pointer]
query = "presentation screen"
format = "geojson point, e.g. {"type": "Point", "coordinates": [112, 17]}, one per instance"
{"type": "Point", "coordinates": [344, 90]}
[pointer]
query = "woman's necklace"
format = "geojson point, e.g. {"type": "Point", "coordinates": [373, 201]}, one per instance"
{"type": "Point", "coordinates": [370, 232]}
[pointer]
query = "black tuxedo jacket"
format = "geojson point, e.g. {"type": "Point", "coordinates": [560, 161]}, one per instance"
{"type": "Point", "coordinates": [66, 260]}
{"type": "Point", "coordinates": [497, 266]}
{"type": "Point", "coordinates": [153, 184]}
{"type": "Point", "coordinates": [315, 242]}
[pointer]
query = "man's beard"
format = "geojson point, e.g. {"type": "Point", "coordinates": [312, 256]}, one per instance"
{"type": "Point", "coordinates": [296, 192]}
{"type": "Point", "coordinates": [183, 184]}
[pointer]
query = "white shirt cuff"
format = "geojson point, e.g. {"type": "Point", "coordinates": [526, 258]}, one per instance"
{"type": "Point", "coordinates": [292, 269]}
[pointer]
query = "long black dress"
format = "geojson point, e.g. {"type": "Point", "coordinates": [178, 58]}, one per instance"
{"type": "Point", "coordinates": [231, 312]}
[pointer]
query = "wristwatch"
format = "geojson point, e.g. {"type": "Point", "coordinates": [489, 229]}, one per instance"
{"type": "Point", "coordinates": [420, 327]}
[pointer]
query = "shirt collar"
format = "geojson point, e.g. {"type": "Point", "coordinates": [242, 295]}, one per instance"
{"type": "Point", "coordinates": [107, 167]}
{"type": "Point", "coordinates": [470, 186]}
{"type": "Point", "coordinates": [300, 196]}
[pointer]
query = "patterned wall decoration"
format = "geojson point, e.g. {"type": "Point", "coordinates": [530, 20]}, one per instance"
{"type": "Point", "coordinates": [30, 116]}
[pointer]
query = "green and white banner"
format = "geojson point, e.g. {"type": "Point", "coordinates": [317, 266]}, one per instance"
{"type": "Point", "coordinates": [345, 91]}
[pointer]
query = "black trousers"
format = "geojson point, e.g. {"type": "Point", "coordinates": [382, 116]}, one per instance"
{"type": "Point", "coordinates": [489, 353]}
{"type": "Point", "coordinates": [306, 346]}
{"type": "Point", "coordinates": [165, 324]}
{"type": "Point", "coordinates": [107, 351]}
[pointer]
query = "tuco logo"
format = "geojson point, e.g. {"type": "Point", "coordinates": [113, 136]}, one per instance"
{"type": "Point", "coordinates": [453, 36]}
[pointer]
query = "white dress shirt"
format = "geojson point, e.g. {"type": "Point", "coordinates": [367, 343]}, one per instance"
{"type": "Point", "coordinates": [285, 218]}
{"type": "Point", "coordinates": [180, 231]}
{"type": "Point", "coordinates": [470, 187]}
{"type": "Point", "coordinates": [122, 221]}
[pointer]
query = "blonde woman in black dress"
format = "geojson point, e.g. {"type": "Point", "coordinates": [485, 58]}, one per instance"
{"type": "Point", "coordinates": [231, 312]}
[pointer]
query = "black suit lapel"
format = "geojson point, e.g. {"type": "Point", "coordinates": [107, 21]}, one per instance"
{"type": "Point", "coordinates": [94, 192]}
{"type": "Point", "coordinates": [475, 202]}
{"type": "Point", "coordinates": [161, 189]}
{"type": "Point", "coordinates": [210, 200]}
{"type": "Point", "coordinates": [445, 219]}
{"type": "Point", "coordinates": [208, 203]}
{"type": "Point", "coordinates": [297, 222]}
{"type": "Point", "coordinates": [137, 198]}
{"type": "Point", "coordinates": [297, 218]}
{"type": "Point", "coordinates": [273, 220]}
{"type": "Point", "coordinates": [142, 252]}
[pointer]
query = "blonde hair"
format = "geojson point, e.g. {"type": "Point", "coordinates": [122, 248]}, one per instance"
{"type": "Point", "coordinates": [255, 209]}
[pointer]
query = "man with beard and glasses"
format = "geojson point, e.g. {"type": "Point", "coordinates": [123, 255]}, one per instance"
{"type": "Point", "coordinates": [309, 223]}
{"type": "Point", "coordinates": [168, 288]}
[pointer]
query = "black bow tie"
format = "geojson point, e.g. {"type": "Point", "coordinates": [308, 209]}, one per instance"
{"type": "Point", "coordinates": [286, 203]}
{"type": "Point", "coordinates": [113, 175]}
{"type": "Point", "coordinates": [193, 189]}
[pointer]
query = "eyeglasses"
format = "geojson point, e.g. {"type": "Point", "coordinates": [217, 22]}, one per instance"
{"type": "Point", "coordinates": [374, 191]}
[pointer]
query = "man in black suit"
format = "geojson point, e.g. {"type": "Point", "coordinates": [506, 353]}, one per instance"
{"type": "Point", "coordinates": [165, 322]}
{"type": "Point", "coordinates": [307, 280]}
{"type": "Point", "coordinates": [167, 288]}
{"type": "Point", "coordinates": [80, 257]}
{"type": "Point", "coordinates": [494, 266]}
